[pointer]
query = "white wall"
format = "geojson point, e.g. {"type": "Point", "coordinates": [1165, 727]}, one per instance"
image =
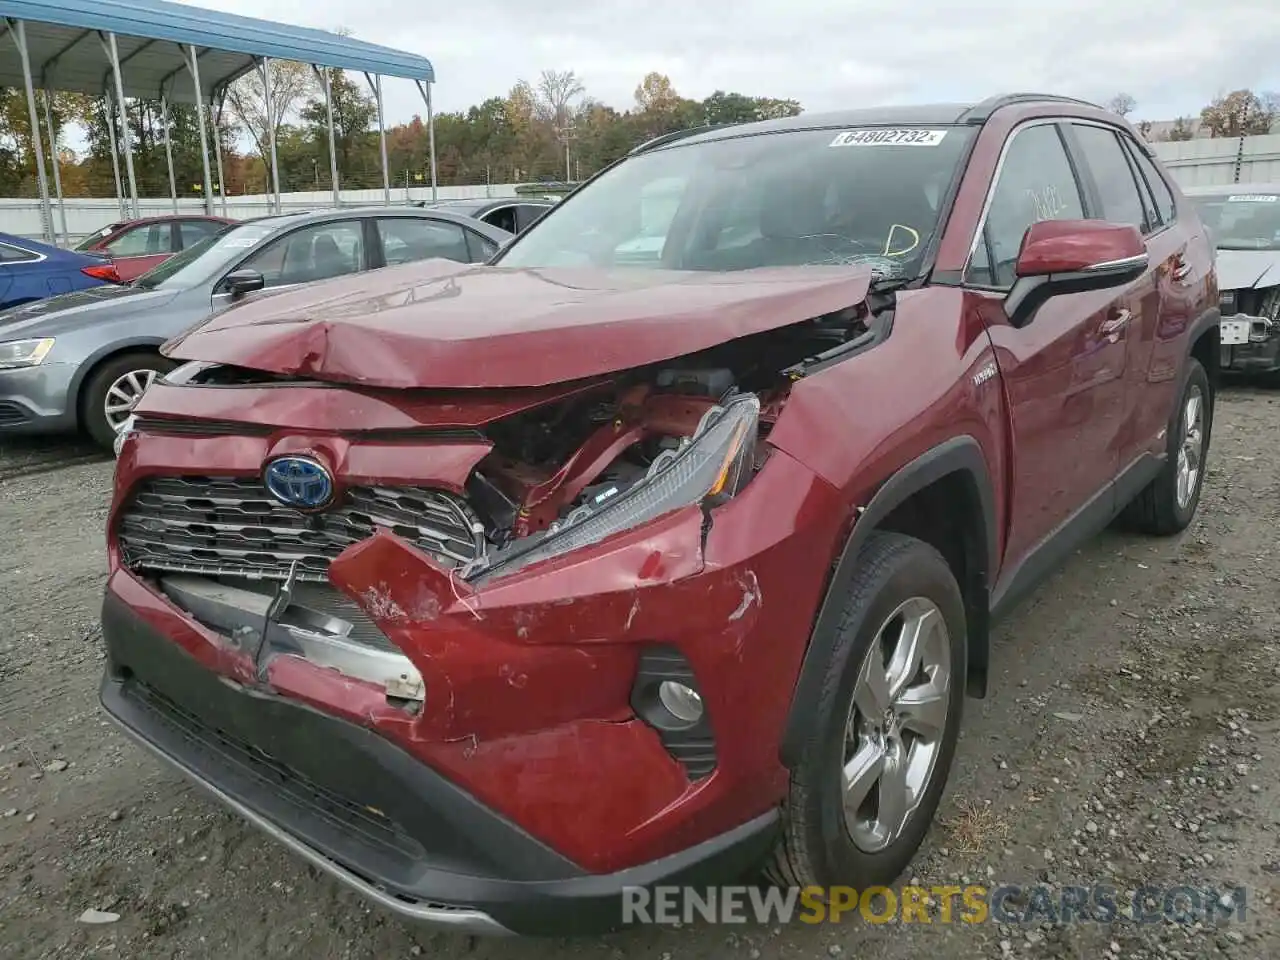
{"type": "Point", "coordinates": [22, 217]}
{"type": "Point", "coordinates": [1220, 161]}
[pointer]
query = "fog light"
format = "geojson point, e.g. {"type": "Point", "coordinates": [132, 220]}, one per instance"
{"type": "Point", "coordinates": [681, 702]}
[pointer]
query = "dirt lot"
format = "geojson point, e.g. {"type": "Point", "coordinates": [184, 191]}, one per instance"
{"type": "Point", "coordinates": [1133, 737]}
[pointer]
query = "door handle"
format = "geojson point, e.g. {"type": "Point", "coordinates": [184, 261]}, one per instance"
{"type": "Point", "coordinates": [1181, 269]}
{"type": "Point", "coordinates": [1113, 325]}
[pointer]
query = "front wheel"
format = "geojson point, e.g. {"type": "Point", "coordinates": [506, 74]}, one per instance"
{"type": "Point", "coordinates": [883, 733]}
{"type": "Point", "coordinates": [1168, 504]}
{"type": "Point", "coordinates": [114, 389]}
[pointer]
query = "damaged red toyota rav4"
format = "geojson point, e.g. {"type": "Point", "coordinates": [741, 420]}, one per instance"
{"type": "Point", "coordinates": [666, 546]}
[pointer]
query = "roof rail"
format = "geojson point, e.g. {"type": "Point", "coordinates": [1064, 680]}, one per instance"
{"type": "Point", "coordinates": [664, 139]}
{"type": "Point", "coordinates": [981, 112]}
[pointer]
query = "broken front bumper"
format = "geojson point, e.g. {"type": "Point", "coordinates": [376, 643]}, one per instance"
{"type": "Point", "coordinates": [364, 811]}
{"type": "Point", "coordinates": [1249, 344]}
{"type": "Point", "coordinates": [524, 698]}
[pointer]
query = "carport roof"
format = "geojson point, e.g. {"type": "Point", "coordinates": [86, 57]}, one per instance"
{"type": "Point", "coordinates": [63, 40]}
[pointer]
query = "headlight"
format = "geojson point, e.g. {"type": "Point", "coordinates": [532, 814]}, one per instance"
{"type": "Point", "coordinates": [24, 353]}
{"type": "Point", "coordinates": [710, 468]}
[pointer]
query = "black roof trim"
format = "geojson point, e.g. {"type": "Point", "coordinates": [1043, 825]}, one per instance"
{"type": "Point", "coordinates": [664, 139]}
{"type": "Point", "coordinates": [981, 112]}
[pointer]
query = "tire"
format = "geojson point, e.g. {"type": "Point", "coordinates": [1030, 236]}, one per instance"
{"type": "Point", "coordinates": [1159, 510]}
{"type": "Point", "coordinates": [93, 399]}
{"type": "Point", "coordinates": [817, 845]}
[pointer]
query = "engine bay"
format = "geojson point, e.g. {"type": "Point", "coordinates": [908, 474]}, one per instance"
{"type": "Point", "coordinates": [555, 466]}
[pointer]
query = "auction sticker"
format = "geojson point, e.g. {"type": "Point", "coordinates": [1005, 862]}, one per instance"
{"type": "Point", "coordinates": [1253, 198]}
{"type": "Point", "coordinates": [889, 138]}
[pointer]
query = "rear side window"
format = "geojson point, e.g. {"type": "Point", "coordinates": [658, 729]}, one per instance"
{"type": "Point", "coordinates": [193, 231]}
{"type": "Point", "coordinates": [504, 218]}
{"type": "Point", "coordinates": [142, 241]}
{"type": "Point", "coordinates": [1117, 188]}
{"type": "Point", "coordinates": [1160, 191]}
{"type": "Point", "coordinates": [10, 254]}
{"type": "Point", "coordinates": [407, 239]}
{"type": "Point", "coordinates": [480, 248]}
{"type": "Point", "coordinates": [526, 214]}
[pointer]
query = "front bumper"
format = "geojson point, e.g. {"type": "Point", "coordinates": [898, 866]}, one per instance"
{"type": "Point", "coordinates": [364, 811]}
{"type": "Point", "coordinates": [35, 400]}
{"type": "Point", "coordinates": [1249, 344]}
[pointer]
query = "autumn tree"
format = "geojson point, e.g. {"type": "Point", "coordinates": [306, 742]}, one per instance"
{"type": "Point", "coordinates": [1241, 113]}
{"type": "Point", "coordinates": [655, 94]}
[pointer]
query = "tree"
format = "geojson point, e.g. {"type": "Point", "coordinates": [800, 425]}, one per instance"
{"type": "Point", "coordinates": [1241, 113]}
{"type": "Point", "coordinates": [1122, 104]}
{"type": "Point", "coordinates": [655, 94]}
{"type": "Point", "coordinates": [556, 95]}
{"type": "Point", "coordinates": [291, 85]}
{"type": "Point", "coordinates": [354, 111]}
{"type": "Point", "coordinates": [1183, 129]}
{"type": "Point", "coordinates": [17, 154]}
{"type": "Point", "coordinates": [519, 136]}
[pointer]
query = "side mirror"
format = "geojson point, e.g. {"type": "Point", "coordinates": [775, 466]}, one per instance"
{"type": "Point", "coordinates": [238, 283]}
{"type": "Point", "coordinates": [1072, 256]}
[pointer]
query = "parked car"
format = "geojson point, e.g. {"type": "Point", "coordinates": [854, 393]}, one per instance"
{"type": "Point", "coordinates": [496, 591]}
{"type": "Point", "coordinates": [512, 214]}
{"type": "Point", "coordinates": [1244, 221]}
{"type": "Point", "coordinates": [136, 246]}
{"type": "Point", "coordinates": [30, 270]}
{"type": "Point", "coordinates": [83, 359]}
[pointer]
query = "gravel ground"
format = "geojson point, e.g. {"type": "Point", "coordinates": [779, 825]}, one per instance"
{"type": "Point", "coordinates": [1132, 738]}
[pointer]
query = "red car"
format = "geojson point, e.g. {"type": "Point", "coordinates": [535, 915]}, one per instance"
{"type": "Point", "coordinates": [498, 590]}
{"type": "Point", "coordinates": [135, 246]}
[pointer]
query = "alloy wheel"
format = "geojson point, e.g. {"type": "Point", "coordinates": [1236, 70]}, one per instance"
{"type": "Point", "coordinates": [1191, 449]}
{"type": "Point", "coordinates": [896, 725]}
{"type": "Point", "coordinates": [123, 395]}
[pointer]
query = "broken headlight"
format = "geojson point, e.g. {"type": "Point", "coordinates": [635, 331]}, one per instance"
{"type": "Point", "coordinates": [708, 468]}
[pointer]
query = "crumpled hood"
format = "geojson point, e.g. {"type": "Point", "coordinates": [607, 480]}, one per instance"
{"type": "Point", "coordinates": [1248, 269]}
{"type": "Point", "coordinates": [447, 325]}
{"type": "Point", "coordinates": [70, 311]}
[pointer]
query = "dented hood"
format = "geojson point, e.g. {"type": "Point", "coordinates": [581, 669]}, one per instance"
{"type": "Point", "coordinates": [440, 324]}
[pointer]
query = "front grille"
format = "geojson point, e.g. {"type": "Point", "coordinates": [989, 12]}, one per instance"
{"type": "Point", "coordinates": [11, 414]}
{"type": "Point", "coordinates": [230, 526]}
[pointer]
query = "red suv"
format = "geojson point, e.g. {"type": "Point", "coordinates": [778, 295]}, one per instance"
{"type": "Point", "coordinates": [136, 246]}
{"type": "Point", "coordinates": [495, 590]}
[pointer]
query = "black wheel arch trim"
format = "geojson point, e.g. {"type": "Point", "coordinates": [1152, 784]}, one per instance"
{"type": "Point", "coordinates": [1203, 324]}
{"type": "Point", "coordinates": [960, 454]}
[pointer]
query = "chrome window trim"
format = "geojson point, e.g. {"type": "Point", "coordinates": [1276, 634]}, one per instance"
{"type": "Point", "coordinates": [33, 256]}
{"type": "Point", "coordinates": [995, 182]}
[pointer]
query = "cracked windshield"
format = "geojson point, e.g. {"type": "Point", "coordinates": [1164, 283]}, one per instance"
{"type": "Point", "coordinates": [768, 200]}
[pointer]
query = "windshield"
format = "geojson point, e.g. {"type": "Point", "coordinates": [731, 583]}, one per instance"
{"type": "Point", "coordinates": [1241, 221]}
{"type": "Point", "coordinates": [201, 262]}
{"type": "Point", "coordinates": [782, 199]}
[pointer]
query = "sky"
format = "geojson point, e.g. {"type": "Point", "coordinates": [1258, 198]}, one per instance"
{"type": "Point", "coordinates": [828, 54]}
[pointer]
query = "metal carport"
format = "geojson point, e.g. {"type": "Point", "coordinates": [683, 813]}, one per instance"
{"type": "Point", "coordinates": [156, 49]}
